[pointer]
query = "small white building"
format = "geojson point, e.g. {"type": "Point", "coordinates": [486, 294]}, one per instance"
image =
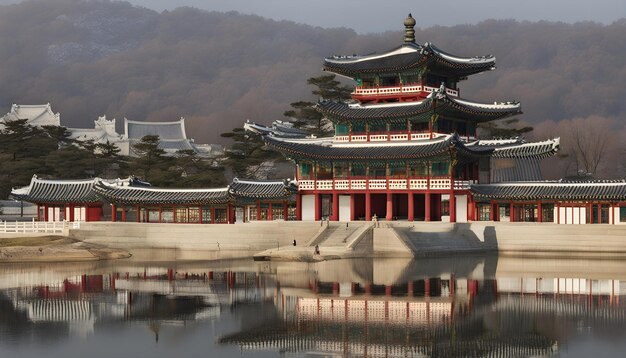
{"type": "Point", "coordinates": [37, 115]}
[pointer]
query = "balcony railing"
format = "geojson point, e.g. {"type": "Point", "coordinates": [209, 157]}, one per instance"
{"type": "Point", "coordinates": [383, 184]}
{"type": "Point", "coordinates": [396, 90]}
{"type": "Point", "coordinates": [378, 137]}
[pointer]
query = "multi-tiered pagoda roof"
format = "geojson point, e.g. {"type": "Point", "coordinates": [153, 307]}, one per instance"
{"type": "Point", "coordinates": [328, 149]}
{"type": "Point", "coordinates": [439, 102]}
{"type": "Point", "coordinates": [409, 56]}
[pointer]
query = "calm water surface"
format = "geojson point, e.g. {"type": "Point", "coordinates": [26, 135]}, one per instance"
{"type": "Point", "coordinates": [470, 306]}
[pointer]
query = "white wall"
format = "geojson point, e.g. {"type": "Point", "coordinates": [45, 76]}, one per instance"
{"type": "Point", "coordinates": [308, 207]}
{"type": "Point", "coordinates": [461, 208]}
{"type": "Point", "coordinates": [445, 218]}
{"type": "Point", "coordinates": [344, 207]}
{"type": "Point", "coordinates": [570, 215]}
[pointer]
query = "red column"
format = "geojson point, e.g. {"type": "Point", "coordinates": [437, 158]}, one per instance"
{"type": "Point", "coordinates": [298, 207]}
{"type": "Point", "coordinates": [286, 210]}
{"type": "Point", "coordinates": [335, 211]}
{"type": "Point", "coordinates": [270, 213]}
{"type": "Point", "coordinates": [539, 213]}
{"type": "Point", "coordinates": [258, 210]}
{"type": "Point", "coordinates": [427, 287]}
{"type": "Point", "coordinates": [368, 206]}
{"type": "Point", "coordinates": [200, 214]}
{"type": "Point", "coordinates": [558, 213]}
{"type": "Point", "coordinates": [389, 215]}
{"type": "Point", "coordinates": [411, 213]}
{"type": "Point", "coordinates": [318, 207]}
{"type": "Point", "coordinates": [511, 212]}
{"type": "Point", "coordinates": [123, 214]}
{"type": "Point", "coordinates": [38, 213]}
{"type": "Point", "coordinates": [113, 212]}
{"type": "Point", "coordinates": [452, 208]}
{"type": "Point", "coordinates": [72, 212]}
{"type": "Point", "coordinates": [161, 213]}
{"type": "Point", "coordinates": [229, 212]}
{"type": "Point", "coordinates": [352, 215]}
{"type": "Point", "coordinates": [427, 206]}
{"type": "Point", "coordinates": [492, 211]}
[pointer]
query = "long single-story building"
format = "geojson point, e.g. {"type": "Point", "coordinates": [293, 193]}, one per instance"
{"type": "Point", "coordinates": [132, 200]}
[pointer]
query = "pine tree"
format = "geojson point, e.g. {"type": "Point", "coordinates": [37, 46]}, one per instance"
{"type": "Point", "coordinates": [150, 161]}
{"type": "Point", "coordinates": [306, 116]}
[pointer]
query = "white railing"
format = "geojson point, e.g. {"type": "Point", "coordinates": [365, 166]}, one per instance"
{"type": "Point", "coordinates": [462, 184]}
{"type": "Point", "coordinates": [378, 184]}
{"type": "Point", "coordinates": [358, 184]}
{"type": "Point", "coordinates": [397, 183]}
{"type": "Point", "coordinates": [385, 137]}
{"type": "Point", "coordinates": [418, 184]}
{"type": "Point", "coordinates": [382, 184]}
{"type": "Point", "coordinates": [24, 227]}
{"type": "Point", "coordinates": [400, 90]}
{"type": "Point", "coordinates": [324, 185]}
{"type": "Point", "coordinates": [342, 184]}
{"type": "Point", "coordinates": [378, 137]}
{"type": "Point", "coordinates": [306, 184]}
{"type": "Point", "coordinates": [398, 137]}
{"type": "Point", "coordinates": [440, 184]}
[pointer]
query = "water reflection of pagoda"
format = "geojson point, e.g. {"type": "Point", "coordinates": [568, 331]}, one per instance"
{"type": "Point", "coordinates": [451, 314]}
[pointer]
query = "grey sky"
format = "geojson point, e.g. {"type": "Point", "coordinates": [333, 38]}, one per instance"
{"type": "Point", "coordinates": [383, 15]}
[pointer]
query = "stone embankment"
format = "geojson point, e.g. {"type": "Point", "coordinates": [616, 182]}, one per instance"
{"type": "Point", "coordinates": [274, 240]}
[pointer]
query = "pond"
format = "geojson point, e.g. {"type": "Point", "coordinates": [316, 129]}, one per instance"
{"type": "Point", "coordinates": [439, 307]}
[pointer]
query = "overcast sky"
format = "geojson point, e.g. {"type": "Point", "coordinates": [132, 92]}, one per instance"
{"type": "Point", "coordinates": [383, 15]}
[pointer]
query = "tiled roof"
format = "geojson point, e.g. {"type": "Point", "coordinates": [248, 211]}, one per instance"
{"type": "Point", "coordinates": [519, 148]}
{"type": "Point", "coordinates": [165, 130]}
{"type": "Point", "coordinates": [552, 190]}
{"type": "Point", "coordinates": [57, 191]}
{"type": "Point", "coordinates": [262, 189]}
{"type": "Point", "coordinates": [237, 191]}
{"type": "Point", "coordinates": [406, 57]}
{"type": "Point", "coordinates": [156, 196]}
{"type": "Point", "coordinates": [444, 105]}
{"type": "Point", "coordinates": [324, 149]}
{"type": "Point", "coordinates": [278, 128]}
{"type": "Point", "coordinates": [136, 192]}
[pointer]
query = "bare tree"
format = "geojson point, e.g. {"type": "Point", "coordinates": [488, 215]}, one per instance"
{"type": "Point", "coordinates": [589, 143]}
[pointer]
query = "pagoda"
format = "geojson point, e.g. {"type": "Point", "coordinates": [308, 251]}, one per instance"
{"type": "Point", "coordinates": [405, 147]}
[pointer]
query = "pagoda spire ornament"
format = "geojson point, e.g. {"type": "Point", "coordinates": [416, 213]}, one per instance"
{"type": "Point", "coordinates": [409, 29]}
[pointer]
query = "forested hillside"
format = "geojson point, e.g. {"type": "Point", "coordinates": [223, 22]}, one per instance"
{"type": "Point", "coordinates": [90, 58]}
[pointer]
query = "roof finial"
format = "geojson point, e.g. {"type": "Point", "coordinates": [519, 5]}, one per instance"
{"type": "Point", "coordinates": [409, 31]}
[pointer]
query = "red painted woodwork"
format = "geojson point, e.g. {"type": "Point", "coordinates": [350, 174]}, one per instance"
{"type": "Point", "coordinates": [389, 209]}
{"type": "Point", "coordinates": [352, 208]}
{"type": "Point", "coordinates": [298, 207]}
{"type": "Point", "coordinates": [318, 207]}
{"type": "Point", "coordinates": [427, 209]}
{"type": "Point", "coordinates": [452, 207]}
{"type": "Point", "coordinates": [334, 215]}
{"type": "Point", "coordinates": [411, 207]}
{"type": "Point", "coordinates": [368, 206]}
